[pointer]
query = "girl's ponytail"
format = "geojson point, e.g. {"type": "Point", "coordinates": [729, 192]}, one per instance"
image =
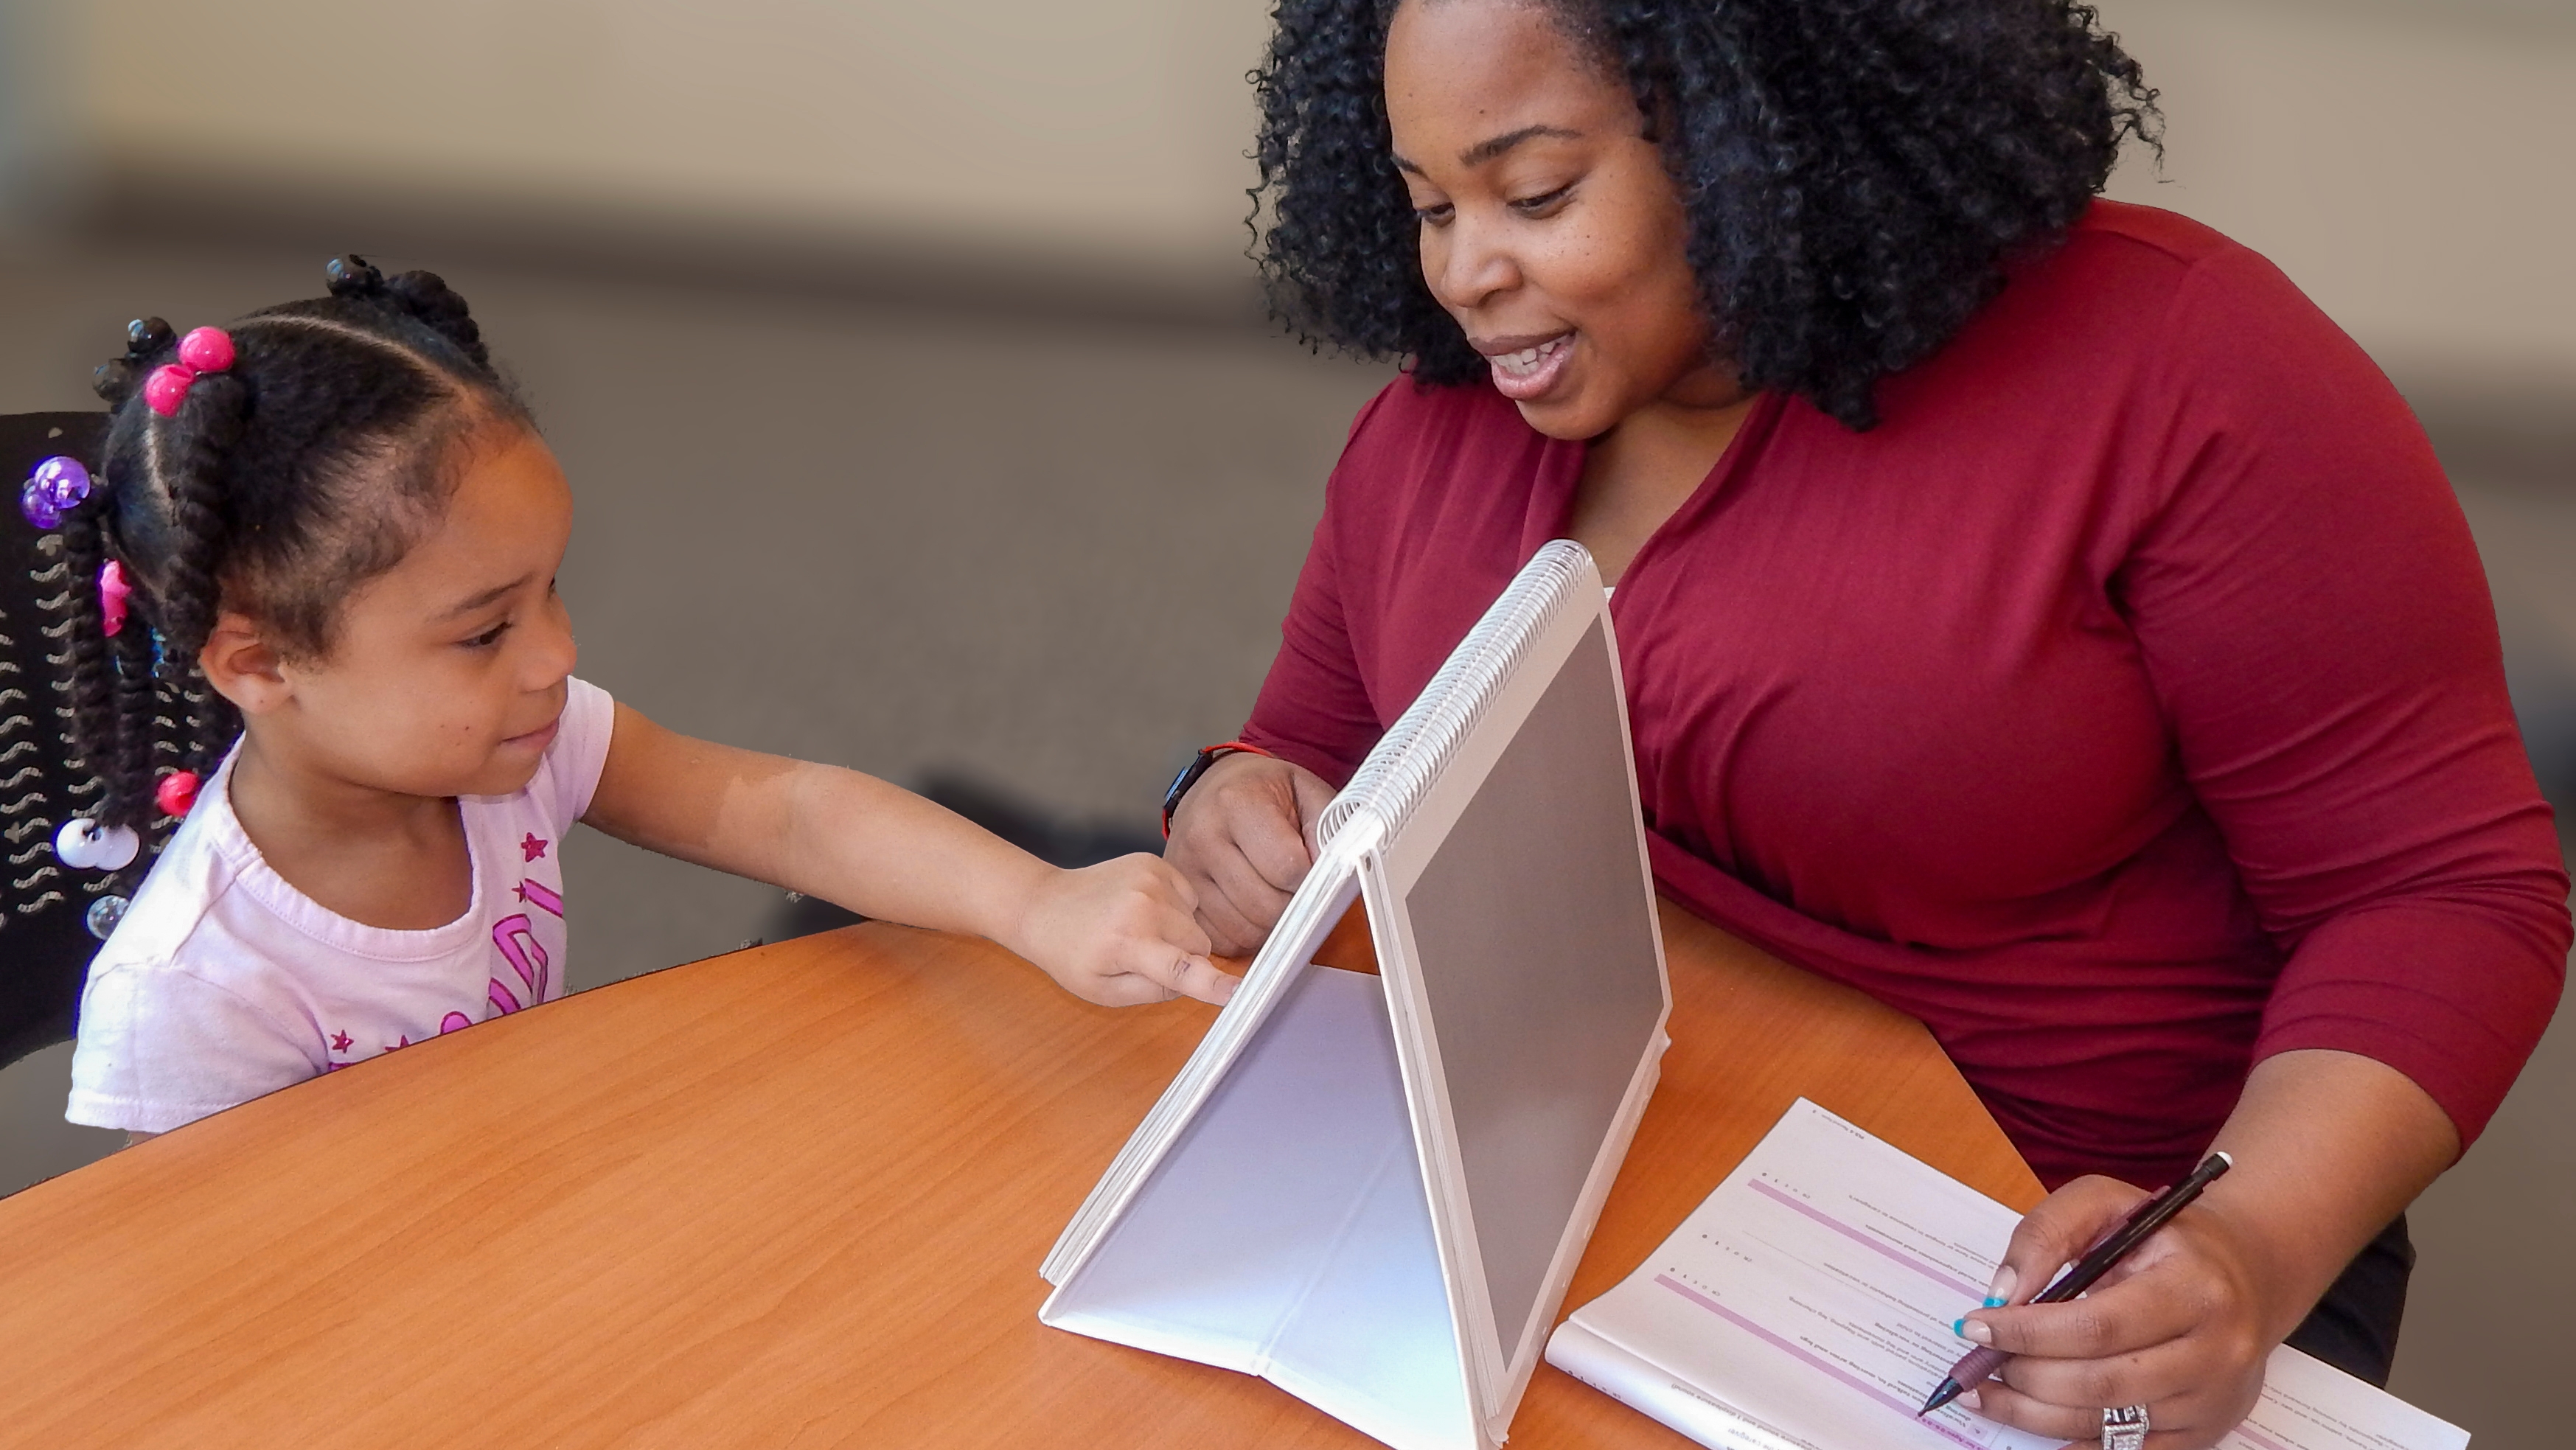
{"type": "Point", "coordinates": [426, 295]}
{"type": "Point", "coordinates": [209, 425]}
{"type": "Point", "coordinates": [198, 441]}
{"type": "Point", "coordinates": [98, 730]}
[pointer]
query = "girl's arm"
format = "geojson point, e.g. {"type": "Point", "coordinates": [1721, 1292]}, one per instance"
{"type": "Point", "coordinates": [1118, 933]}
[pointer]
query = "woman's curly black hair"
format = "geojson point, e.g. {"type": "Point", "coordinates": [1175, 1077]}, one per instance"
{"type": "Point", "coordinates": [1856, 172]}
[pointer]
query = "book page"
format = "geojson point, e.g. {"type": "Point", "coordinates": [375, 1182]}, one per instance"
{"type": "Point", "coordinates": [1808, 1302]}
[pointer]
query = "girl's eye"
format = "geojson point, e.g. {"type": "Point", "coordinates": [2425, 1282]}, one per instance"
{"type": "Point", "coordinates": [1542, 204]}
{"type": "Point", "coordinates": [489, 637]}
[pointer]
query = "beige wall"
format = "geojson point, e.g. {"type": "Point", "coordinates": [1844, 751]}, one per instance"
{"type": "Point", "coordinates": [1104, 125]}
{"type": "Point", "coordinates": [2406, 163]}
{"type": "Point", "coordinates": [2402, 159]}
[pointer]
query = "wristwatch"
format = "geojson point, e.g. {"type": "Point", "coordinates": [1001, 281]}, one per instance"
{"type": "Point", "coordinates": [1197, 767]}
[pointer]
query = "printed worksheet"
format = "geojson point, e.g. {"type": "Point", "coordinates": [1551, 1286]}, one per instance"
{"type": "Point", "coordinates": [1808, 1303]}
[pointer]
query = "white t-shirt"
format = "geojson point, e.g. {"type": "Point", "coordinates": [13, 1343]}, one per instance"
{"type": "Point", "coordinates": [223, 982]}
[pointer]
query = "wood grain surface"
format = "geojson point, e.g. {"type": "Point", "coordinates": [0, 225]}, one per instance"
{"type": "Point", "coordinates": [795, 1196]}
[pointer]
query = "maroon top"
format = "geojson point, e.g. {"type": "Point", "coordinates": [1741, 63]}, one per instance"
{"type": "Point", "coordinates": [2127, 706]}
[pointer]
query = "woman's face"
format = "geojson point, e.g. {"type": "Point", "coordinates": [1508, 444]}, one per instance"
{"type": "Point", "coordinates": [1550, 228]}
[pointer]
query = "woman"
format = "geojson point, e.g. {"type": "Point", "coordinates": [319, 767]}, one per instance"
{"type": "Point", "coordinates": [2034, 612]}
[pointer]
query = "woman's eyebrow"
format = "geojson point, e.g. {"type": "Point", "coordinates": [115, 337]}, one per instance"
{"type": "Point", "coordinates": [1484, 151]}
{"type": "Point", "coordinates": [1487, 150]}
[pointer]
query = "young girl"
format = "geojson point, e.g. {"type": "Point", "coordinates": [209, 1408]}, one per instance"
{"type": "Point", "coordinates": [338, 516]}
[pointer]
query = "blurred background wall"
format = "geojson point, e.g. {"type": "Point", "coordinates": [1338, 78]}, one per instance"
{"type": "Point", "coordinates": [922, 415]}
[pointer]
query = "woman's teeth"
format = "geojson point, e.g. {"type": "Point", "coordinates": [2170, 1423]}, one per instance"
{"type": "Point", "coordinates": [1525, 362]}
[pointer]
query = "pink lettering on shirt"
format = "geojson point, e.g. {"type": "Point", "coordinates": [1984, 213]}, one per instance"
{"type": "Point", "coordinates": [516, 937]}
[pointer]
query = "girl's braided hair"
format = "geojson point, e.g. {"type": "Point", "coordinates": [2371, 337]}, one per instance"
{"type": "Point", "coordinates": [282, 484]}
{"type": "Point", "coordinates": [1855, 172]}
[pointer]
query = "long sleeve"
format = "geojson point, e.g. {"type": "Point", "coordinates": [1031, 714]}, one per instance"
{"type": "Point", "coordinates": [1314, 707]}
{"type": "Point", "coordinates": [2314, 620]}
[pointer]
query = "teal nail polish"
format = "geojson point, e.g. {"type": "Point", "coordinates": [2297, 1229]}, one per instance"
{"type": "Point", "coordinates": [1959, 1327]}
{"type": "Point", "coordinates": [1993, 1303]}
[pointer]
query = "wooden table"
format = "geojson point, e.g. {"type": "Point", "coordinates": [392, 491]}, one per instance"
{"type": "Point", "coordinates": [795, 1196]}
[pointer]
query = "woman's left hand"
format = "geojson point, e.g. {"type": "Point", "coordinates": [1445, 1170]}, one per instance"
{"type": "Point", "coordinates": [2183, 1326]}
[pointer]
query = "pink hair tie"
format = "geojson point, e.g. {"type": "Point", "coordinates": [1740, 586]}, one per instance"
{"type": "Point", "coordinates": [113, 591]}
{"type": "Point", "coordinates": [204, 350]}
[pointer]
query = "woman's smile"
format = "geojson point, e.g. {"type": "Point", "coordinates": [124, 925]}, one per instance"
{"type": "Point", "coordinates": [1527, 367]}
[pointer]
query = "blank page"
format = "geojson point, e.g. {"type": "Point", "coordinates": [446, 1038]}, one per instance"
{"type": "Point", "coordinates": [1535, 931]}
{"type": "Point", "coordinates": [1287, 1234]}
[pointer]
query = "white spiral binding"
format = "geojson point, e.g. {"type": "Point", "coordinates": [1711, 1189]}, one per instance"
{"type": "Point", "coordinates": [1383, 794]}
{"type": "Point", "coordinates": [1391, 782]}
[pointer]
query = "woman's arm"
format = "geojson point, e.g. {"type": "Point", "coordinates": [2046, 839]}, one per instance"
{"type": "Point", "coordinates": [1244, 835]}
{"type": "Point", "coordinates": [1118, 933]}
{"type": "Point", "coordinates": [2310, 608]}
{"type": "Point", "coordinates": [2328, 1148]}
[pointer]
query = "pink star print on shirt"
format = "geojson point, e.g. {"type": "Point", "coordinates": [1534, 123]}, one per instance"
{"type": "Point", "coordinates": [340, 1041]}
{"type": "Point", "coordinates": [533, 848]}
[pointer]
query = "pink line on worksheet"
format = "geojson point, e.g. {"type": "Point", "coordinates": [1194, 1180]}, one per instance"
{"type": "Point", "coordinates": [1828, 1366]}
{"type": "Point", "coordinates": [2259, 1438]}
{"type": "Point", "coordinates": [1856, 1236]}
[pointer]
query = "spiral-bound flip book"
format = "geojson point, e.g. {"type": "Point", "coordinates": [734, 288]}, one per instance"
{"type": "Point", "coordinates": [1372, 1190]}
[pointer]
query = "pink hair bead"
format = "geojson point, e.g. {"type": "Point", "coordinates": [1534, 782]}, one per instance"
{"type": "Point", "coordinates": [167, 388]}
{"type": "Point", "coordinates": [176, 793]}
{"type": "Point", "coordinates": [207, 349]}
{"type": "Point", "coordinates": [113, 591]}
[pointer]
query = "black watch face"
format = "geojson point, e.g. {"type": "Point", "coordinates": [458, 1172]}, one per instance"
{"type": "Point", "coordinates": [1182, 782]}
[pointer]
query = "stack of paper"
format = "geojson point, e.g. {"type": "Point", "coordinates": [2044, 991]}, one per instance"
{"type": "Point", "coordinates": [1808, 1303]}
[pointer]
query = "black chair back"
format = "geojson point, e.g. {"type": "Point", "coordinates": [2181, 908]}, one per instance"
{"type": "Point", "coordinates": [45, 943]}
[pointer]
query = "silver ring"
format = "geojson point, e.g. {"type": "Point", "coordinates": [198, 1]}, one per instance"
{"type": "Point", "coordinates": [2125, 1428]}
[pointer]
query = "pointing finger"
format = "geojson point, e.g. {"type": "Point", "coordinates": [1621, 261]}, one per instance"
{"type": "Point", "coordinates": [1196, 976]}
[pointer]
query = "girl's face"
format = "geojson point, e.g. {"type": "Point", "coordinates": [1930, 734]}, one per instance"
{"type": "Point", "coordinates": [1550, 228]}
{"type": "Point", "coordinates": [446, 673]}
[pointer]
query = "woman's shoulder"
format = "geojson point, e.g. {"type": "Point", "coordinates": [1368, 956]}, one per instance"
{"type": "Point", "coordinates": [2149, 230]}
{"type": "Point", "coordinates": [2162, 273]}
{"type": "Point", "coordinates": [2139, 307]}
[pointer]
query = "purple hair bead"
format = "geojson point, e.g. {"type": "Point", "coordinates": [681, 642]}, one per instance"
{"type": "Point", "coordinates": [64, 479]}
{"type": "Point", "coordinates": [37, 502]}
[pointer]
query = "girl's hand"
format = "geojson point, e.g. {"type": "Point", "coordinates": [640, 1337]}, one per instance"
{"type": "Point", "coordinates": [1243, 837]}
{"type": "Point", "coordinates": [2183, 1326]}
{"type": "Point", "coordinates": [1120, 933]}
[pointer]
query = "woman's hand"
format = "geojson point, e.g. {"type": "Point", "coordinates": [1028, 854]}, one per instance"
{"type": "Point", "coordinates": [2183, 1326]}
{"type": "Point", "coordinates": [1244, 837]}
{"type": "Point", "coordinates": [1119, 934]}
{"type": "Point", "coordinates": [2328, 1146]}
